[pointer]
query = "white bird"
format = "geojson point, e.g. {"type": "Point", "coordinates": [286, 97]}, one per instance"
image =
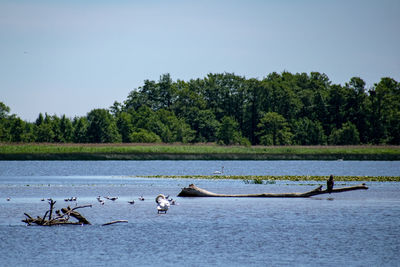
{"type": "Point", "coordinates": [162, 203]}
{"type": "Point", "coordinates": [220, 172]}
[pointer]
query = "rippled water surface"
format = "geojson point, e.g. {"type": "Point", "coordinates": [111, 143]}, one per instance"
{"type": "Point", "coordinates": [358, 228]}
{"type": "Point", "coordinates": [196, 167]}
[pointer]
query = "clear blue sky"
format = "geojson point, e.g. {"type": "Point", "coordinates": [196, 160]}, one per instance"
{"type": "Point", "coordinates": [68, 57]}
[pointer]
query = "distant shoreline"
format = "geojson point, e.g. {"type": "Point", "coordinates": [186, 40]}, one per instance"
{"type": "Point", "coordinates": [45, 151]}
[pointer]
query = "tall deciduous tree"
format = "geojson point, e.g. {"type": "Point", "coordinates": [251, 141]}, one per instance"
{"type": "Point", "coordinates": [4, 123]}
{"type": "Point", "coordinates": [356, 106]}
{"type": "Point", "coordinates": [44, 133]}
{"type": "Point", "coordinates": [102, 127]}
{"type": "Point", "coordinates": [4, 110]}
{"type": "Point", "coordinates": [228, 132]}
{"type": "Point", "coordinates": [17, 130]}
{"type": "Point", "coordinates": [80, 125]}
{"type": "Point", "coordinates": [125, 127]}
{"type": "Point", "coordinates": [308, 132]}
{"type": "Point", "coordinates": [384, 112]}
{"type": "Point", "coordinates": [204, 123]}
{"type": "Point", "coordinates": [252, 104]}
{"type": "Point", "coordinates": [39, 119]}
{"type": "Point", "coordinates": [346, 135]}
{"type": "Point", "coordinates": [167, 91]}
{"type": "Point", "coordinates": [274, 130]}
{"type": "Point", "coordinates": [66, 129]}
{"type": "Point", "coordinates": [337, 105]}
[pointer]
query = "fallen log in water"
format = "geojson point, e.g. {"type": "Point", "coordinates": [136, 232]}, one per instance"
{"type": "Point", "coordinates": [194, 191]}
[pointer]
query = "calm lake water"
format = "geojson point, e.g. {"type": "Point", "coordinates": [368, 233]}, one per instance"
{"type": "Point", "coordinates": [358, 228]}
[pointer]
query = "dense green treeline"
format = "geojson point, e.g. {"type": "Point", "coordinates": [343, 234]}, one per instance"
{"type": "Point", "coordinates": [281, 109]}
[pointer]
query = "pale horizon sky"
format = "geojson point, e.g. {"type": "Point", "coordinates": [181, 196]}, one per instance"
{"type": "Point", "coordinates": [69, 57]}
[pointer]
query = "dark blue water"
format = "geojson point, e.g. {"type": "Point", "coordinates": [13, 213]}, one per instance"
{"type": "Point", "coordinates": [358, 228]}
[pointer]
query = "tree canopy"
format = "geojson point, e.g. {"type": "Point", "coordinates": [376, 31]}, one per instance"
{"type": "Point", "coordinates": [280, 109]}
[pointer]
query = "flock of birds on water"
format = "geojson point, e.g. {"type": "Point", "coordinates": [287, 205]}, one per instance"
{"type": "Point", "coordinates": [163, 202]}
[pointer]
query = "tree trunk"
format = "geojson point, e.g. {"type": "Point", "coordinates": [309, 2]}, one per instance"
{"type": "Point", "coordinates": [194, 191]}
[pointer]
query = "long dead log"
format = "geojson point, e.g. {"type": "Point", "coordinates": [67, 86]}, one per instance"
{"type": "Point", "coordinates": [194, 191]}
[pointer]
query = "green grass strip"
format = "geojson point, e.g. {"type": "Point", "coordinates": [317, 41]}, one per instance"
{"type": "Point", "coordinates": [191, 149]}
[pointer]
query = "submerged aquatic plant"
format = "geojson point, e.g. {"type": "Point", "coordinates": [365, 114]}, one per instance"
{"type": "Point", "coordinates": [258, 181]}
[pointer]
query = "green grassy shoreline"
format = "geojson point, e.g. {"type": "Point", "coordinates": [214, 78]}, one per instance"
{"type": "Point", "coordinates": [193, 152]}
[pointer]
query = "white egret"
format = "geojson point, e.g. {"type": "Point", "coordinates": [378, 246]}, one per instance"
{"type": "Point", "coordinates": [220, 172]}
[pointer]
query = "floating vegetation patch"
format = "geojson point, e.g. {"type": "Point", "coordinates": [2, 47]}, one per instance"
{"type": "Point", "coordinates": [316, 184]}
{"type": "Point", "coordinates": [259, 181]}
{"type": "Point", "coordinates": [282, 177]}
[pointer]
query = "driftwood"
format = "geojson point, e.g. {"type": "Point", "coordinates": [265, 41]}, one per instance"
{"type": "Point", "coordinates": [59, 218]}
{"type": "Point", "coordinates": [194, 191]}
{"type": "Point", "coordinates": [119, 221]}
{"type": "Point", "coordinates": [62, 217]}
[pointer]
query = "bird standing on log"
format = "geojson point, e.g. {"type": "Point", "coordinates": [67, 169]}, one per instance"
{"type": "Point", "coordinates": [330, 183]}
